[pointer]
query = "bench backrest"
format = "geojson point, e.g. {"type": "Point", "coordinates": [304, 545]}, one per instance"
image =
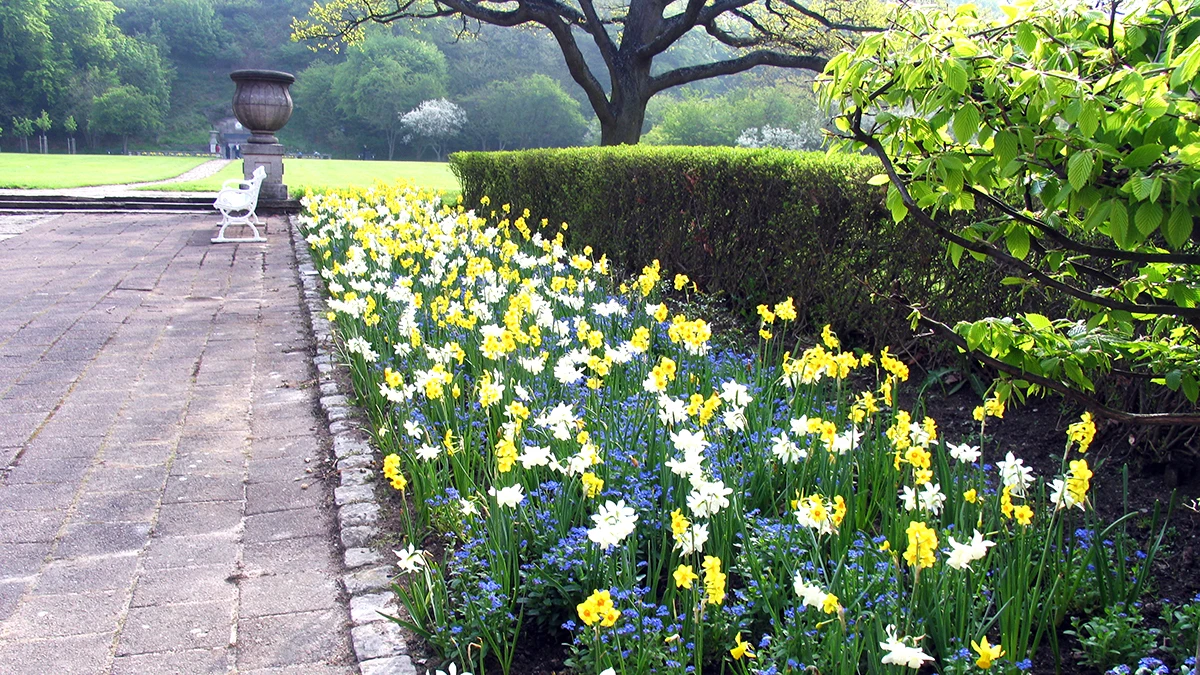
{"type": "Point", "coordinates": [254, 184]}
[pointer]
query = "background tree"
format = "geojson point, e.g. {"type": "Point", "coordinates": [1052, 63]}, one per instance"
{"type": "Point", "coordinates": [532, 112]}
{"type": "Point", "coordinates": [23, 129]}
{"type": "Point", "coordinates": [629, 36]}
{"type": "Point", "coordinates": [184, 29]}
{"type": "Point", "coordinates": [432, 123]}
{"type": "Point", "coordinates": [1071, 139]}
{"type": "Point", "coordinates": [384, 76]}
{"type": "Point", "coordinates": [43, 124]}
{"type": "Point", "coordinates": [125, 111]}
{"type": "Point", "coordinates": [695, 119]}
{"type": "Point", "coordinates": [71, 126]}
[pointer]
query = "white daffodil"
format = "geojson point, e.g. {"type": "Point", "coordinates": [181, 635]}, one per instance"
{"type": "Point", "coordinates": [962, 555]}
{"type": "Point", "coordinates": [614, 521]}
{"type": "Point", "coordinates": [900, 653]}
{"type": "Point", "coordinates": [509, 496]}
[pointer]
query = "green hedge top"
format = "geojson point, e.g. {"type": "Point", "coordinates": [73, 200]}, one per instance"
{"type": "Point", "coordinates": [757, 225]}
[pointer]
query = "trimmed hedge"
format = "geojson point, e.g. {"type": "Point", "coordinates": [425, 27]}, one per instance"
{"type": "Point", "coordinates": [756, 225]}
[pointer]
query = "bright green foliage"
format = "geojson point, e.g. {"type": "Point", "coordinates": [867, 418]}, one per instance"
{"type": "Point", "coordinates": [43, 122]}
{"type": "Point", "coordinates": [385, 76]}
{"type": "Point", "coordinates": [532, 112]}
{"type": "Point", "coordinates": [721, 120]}
{"type": "Point", "coordinates": [125, 111]}
{"type": "Point", "coordinates": [23, 129]}
{"type": "Point", "coordinates": [1072, 136]}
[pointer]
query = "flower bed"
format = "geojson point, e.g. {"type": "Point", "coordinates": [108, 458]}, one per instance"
{"type": "Point", "coordinates": [606, 478]}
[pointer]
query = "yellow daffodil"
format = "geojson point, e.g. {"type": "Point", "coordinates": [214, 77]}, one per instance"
{"type": "Point", "coordinates": [741, 649]}
{"type": "Point", "coordinates": [987, 653]}
{"type": "Point", "coordinates": [684, 576]}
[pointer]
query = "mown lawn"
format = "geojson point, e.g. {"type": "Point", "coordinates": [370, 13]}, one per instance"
{"type": "Point", "coordinates": [335, 173]}
{"type": "Point", "coordinates": [31, 171]}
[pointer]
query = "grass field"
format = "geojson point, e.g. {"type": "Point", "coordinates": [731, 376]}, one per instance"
{"type": "Point", "coordinates": [24, 170]}
{"type": "Point", "coordinates": [334, 173]}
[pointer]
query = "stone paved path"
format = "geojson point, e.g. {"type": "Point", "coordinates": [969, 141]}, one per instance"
{"type": "Point", "coordinates": [157, 432]}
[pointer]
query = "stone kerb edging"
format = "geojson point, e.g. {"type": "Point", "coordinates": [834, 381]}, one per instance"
{"type": "Point", "coordinates": [378, 644]}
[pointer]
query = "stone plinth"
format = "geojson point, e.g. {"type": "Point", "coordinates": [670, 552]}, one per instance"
{"type": "Point", "coordinates": [270, 157]}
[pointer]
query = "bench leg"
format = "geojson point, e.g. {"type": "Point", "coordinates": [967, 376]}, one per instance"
{"type": "Point", "coordinates": [226, 222]}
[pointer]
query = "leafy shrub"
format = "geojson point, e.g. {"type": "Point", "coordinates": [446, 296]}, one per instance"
{"type": "Point", "coordinates": [755, 225]}
{"type": "Point", "coordinates": [1114, 638]}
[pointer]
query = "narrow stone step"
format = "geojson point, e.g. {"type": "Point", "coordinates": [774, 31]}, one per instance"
{"type": "Point", "coordinates": [22, 203]}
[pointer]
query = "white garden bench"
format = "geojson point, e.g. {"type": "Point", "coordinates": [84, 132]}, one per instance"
{"type": "Point", "coordinates": [237, 201]}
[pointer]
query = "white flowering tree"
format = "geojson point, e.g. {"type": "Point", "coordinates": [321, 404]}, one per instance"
{"type": "Point", "coordinates": [781, 137]}
{"type": "Point", "coordinates": [432, 123]}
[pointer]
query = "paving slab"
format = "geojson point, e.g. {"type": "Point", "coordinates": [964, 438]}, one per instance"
{"type": "Point", "coordinates": [151, 431]}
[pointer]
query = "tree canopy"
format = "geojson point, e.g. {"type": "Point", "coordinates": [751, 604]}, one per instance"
{"type": "Point", "coordinates": [385, 76]}
{"type": "Point", "coordinates": [629, 37]}
{"type": "Point", "coordinates": [58, 55]}
{"type": "Point", "coordinates": [1069, 140]}
{"type": "Point", "coordinates": [531, 112]}
{"type": "Point", "coordinates": [125, 111]}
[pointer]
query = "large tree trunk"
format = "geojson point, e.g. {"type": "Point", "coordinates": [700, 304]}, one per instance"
{"type": "Point", "coordinates": [627, 106]}
{"type": "Point", "coordinates": [624, 130]}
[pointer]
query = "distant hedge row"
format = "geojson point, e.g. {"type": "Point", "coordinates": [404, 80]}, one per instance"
{"type": "Point", "coordinates": [757, 225]}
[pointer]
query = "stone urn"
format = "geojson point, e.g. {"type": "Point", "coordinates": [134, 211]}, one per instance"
{"type": "Point", "coordinates": [262, 102]}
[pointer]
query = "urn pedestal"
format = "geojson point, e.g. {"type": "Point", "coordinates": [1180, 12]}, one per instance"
{"type": "Point", "coordinates": [263, 104]}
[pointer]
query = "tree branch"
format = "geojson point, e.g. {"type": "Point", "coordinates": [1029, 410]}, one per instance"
{"type": "Point", "coordinates": [595, 27]}
{"type": "Point", "coordinates": [674, 78]}
{"type": "Point", "coordinates": [1156, 419]}
{"type": "Point", "coordinates": [731, 40]}
{"type": "Point", "coordinates": [995, 253]}
{"type": "Point", "coordinates": [578, 67]}
{"type": "Point", "coordinates": [673, 29]}
{"type": "Point", "coordinates": [1080, 247]}
{"type": "Point", "coordinates": [827, 23]}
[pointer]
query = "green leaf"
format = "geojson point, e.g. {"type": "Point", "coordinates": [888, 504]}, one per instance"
{"type": "Point", "coordinates": [1038, 321]}
{"type": "Point", "coordinates": [1017, 239]}
{"type": "Point", "coordinates": [1149, 217]}
{"type": "Point", "coordinates": [895, 204]}
{"type": "Point", "coordinates": [878, 179]}
{"type": "Point", "coordinates": [1096, 216]}
{"type": "Point", "coordinates": [965, 48]}
{"type": "Point", "coordinates": [1089, 118]}
{"type": "Point", "coordinates": [1079, 169]}
{"type": "Point", "coordinates": [1155, 107]}
{"type": "Point", "coordinates": [956, 76]}
{"type": "Point", "coordinates": [1140, 186]}
{"type": "Point", "coordinates": [1026, 40]}
{"type": "Point", "coordinates": [1074, 372]}
{"type": "Point", "coordinates": [1178, 227]}
{"type": "Point", "coordinates": [1188, 65]}
{"type": "Point", "coordinates": [976, 335]}
{"type": "Point", "coordinates": [1118, 222]}
{"type": "Point", "coordinates": [1143, 156]}
{"type": "Point", "coordinates": [1173, 379]}
{"type": "Point", "coordinates": [966, 123]}
{"type": "Point", "coordinates": [1190, 388]}
{"type": "Point", "coordinates": [1190, 154]}
{"type": "Point", "coordinates": [1005, 147]}
{"type": "Point", "coordinates": [956, 252]}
